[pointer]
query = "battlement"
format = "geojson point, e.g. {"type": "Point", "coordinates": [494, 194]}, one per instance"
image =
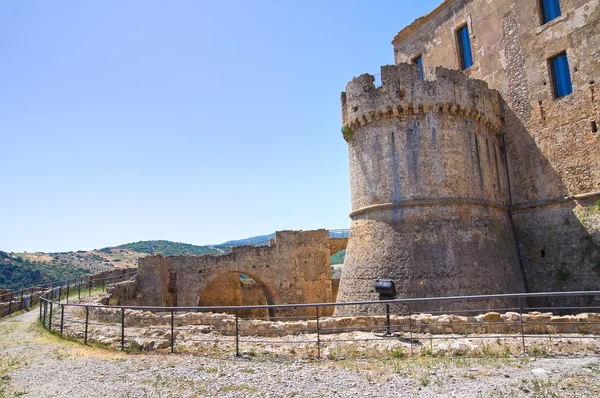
{"type": "Point", "coordinates": [404, 93]}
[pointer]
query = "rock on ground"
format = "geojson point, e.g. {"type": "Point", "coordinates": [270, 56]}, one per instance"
{"type": "Point", "coordinates": [34, 364]}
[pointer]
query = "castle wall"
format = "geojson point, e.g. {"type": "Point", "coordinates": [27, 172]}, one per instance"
{"type": "Point", "coordinates": [295, 269]}
{"type": "Point", "coordinates": [551, 150]}
{"type": "Point", "coordinates": [561, 252]}
{"type": "Point", "coordinates": [428, 188]}
{"type": "Point", "coordinates": [238, 294]}
{"type": "Point", "coordinates": [559, 154]}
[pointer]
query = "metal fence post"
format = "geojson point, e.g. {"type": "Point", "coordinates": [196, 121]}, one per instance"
{"type": "Point", "coordinates": [122, 329]}
{"type": "Point", "coordinates": [237, 334]}
{"type": "Point", "coordinates": [22, 292]}
{"type": "Point", "coordinates": [62, 318]}
{"type": "Point", "coordinates": [87, 315]}
{"type": "Point", "coordinates": [45, 311]}
{"type": "Point", "coordinates": [318, 335]}
{"type": "Point", "coordinates": [79, 290]}
{"type": "Point", "coordinates": [68, 286]}
{"type": "Point", "coordinates": [89, 288]}
{"type": "Point", "coordinates": [10, 298]}
{"type": "Point", "coordinates": [522, 330]}
{"type": "Point", "coordinates": [50, 318]}
{"type": "Point", "coordinates": [410, 329]}
{"type": "Point", "coordinates": [388, 326]}
{"type": "Point", "coordinates": [40, 307]}
{"type": "Point", "coordinates": [172, 332]}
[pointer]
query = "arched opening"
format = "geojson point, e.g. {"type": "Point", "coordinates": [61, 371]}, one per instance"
{"type": "Point", "coordinates": [337, 265]}
{"type": "Point", "coordinates": [237, 289]}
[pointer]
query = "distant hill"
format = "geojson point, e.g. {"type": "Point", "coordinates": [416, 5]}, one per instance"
{"type": "Point", "coordinates": [262, 240]}
{"type": "Point", "coordinates": [17, 272]}
{"type": "Point", "coordinates": [338, 258]}
{"type": "Point", "coordinates": [25, 269]}
{"type": "Point", "coordinates": [167, 248]}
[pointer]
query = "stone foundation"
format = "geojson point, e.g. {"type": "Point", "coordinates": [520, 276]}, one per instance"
{"type": "Point", "coordinates": [489, 323]}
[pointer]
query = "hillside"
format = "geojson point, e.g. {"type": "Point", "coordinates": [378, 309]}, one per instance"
{"type": "Point", "coordinates": [24, 269]}
{"type": "Point", "coordinates": [17, 273]}
{"type": "Point", "coordinates": [338, 258]}
{"type": "Point", "coordinates": [167, 248]}
{"type": "Point", "coordinates": [261, 240]}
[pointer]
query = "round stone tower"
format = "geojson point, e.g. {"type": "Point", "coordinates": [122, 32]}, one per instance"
{"type": "Point", "coordinates": [429, 196]}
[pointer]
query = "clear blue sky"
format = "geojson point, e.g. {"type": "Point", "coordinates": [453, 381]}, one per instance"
{"type": "Point", "coordinates": [192, 121]}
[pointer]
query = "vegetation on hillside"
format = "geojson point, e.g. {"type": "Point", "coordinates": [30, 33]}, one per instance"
{"type": "Point", "coordinates": [167, 248]}
{"type": "Point", "coordinates": [262, 240]}
{"type": "Point", "coordinates": [19, 270]}
{"type": "Point", "coordinates": [18, 273]}
{"type": "Point", "coordinates": [338, 258]}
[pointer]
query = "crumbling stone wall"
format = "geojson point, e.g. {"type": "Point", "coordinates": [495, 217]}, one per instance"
{"type": "Point", "coordinates": [337, 244]}
{"type": "Point", "coordinates": [8, 307]}
{"type": "Point", "coordinates": [123, 293]}
{"type": "Point", "coordinates": [238, 292]}
{"type": "Point", "coordinates": [116, 275]}
{"type": "Point", "coordinates": [429, 208]}
{"type": "Point", "coordinates": [294, 269]}
{"type": "Point", "coordinates": [552, 152]}
{"type": "Point", "coordinates": [485, 323]}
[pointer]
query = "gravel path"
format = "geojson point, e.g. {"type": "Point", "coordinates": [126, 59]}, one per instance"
{"type": "Point", "coordinates": [36, 364]}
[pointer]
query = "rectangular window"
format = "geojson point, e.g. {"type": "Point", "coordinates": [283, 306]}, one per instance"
{"type": "Point", "coordinates": [464, 47]}
{"type": "Point", "coordinates": [550, 9]}
{"type": "Point", "coordinates": [561, 77]}
{"type": "Point", "coordinates": [419, 61]}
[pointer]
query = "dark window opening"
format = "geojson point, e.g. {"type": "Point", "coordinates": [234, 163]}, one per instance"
{"type": "Point", "coordinates": [464, 47]}
{"type": "Point", "coordinates": [594, 126]}
{"type": "Point", "coordinates": [561, 77]}
{"type": "Point", "coordinates": [550, 9]}
{"type": "Point", "coordinates": [418, 60]}
{"type": "Point", "coordinates": [543, 253]}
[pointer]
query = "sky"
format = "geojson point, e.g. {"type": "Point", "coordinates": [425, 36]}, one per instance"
{"type": "Point", "coordinates": [191, 121]}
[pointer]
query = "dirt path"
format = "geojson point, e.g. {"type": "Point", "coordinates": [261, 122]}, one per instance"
{"type": "Point", "coordinates": [36, 364]}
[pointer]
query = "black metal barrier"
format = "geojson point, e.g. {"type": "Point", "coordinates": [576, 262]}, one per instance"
{"type": "Point", "coordinates": [227, 328]}
{"type": "Point", "coordinates": [16, 299]}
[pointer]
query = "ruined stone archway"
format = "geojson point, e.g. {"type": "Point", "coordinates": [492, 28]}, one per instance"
{"type": "Point", "coordinates": [337, 244]}
{"type": "Point", "coordinates": [337, 263]}
{"type": "Point", "coordinates": [237, 289]}
{"type": "Point", "coordinates": [294, 268]}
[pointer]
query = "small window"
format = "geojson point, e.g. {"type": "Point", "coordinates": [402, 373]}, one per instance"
{"type": "Point", "coordinates": [418, 60]}
{"type": "Point", "coordinates": [550, 9]}
{"type": "Point", "coordinates": [464, 47]}
{"type": "Point", "coordinates": [561, 78]}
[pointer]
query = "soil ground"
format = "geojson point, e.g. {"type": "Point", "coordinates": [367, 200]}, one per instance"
{"type": "Point", "coordinates": [34, 363]}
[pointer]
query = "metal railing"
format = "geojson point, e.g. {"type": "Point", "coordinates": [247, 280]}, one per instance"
{"type": "Point", "coordinates": [16, 299]}
{"type": "Point", "coordinates": [312, 325]}
{"type": "Point", "coordinates": [339, 233]}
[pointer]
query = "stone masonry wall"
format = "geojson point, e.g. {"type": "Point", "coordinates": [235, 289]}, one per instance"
{"type": "Point", "coordinates": [229, 290]}
{"type": "Point", "coordinates": [556, 153]}
{"type": "Point", "coordinates": [488, 323]}
{"type": "Point", "coordinates": [295, 269]}
{"type": "Point", "coordinates": [552, 152]}
{"type": "Point", "coordinates": [428, 189]}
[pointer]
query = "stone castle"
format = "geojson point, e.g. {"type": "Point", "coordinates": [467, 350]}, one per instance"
{"type": "Point", "coordinates": [475, 169]}
{"type": "Point", "coordinates": [485, 180]}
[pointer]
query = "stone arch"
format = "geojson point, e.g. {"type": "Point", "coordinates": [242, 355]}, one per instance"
{"type": "Point", "coordinates": [294, 269]}
{"type": "Point", "coordinates": [337, 244]}
{"type": "Point", "coordinates": [229, 288]}
{"type": "Point", "coordinates": [336, 269]}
